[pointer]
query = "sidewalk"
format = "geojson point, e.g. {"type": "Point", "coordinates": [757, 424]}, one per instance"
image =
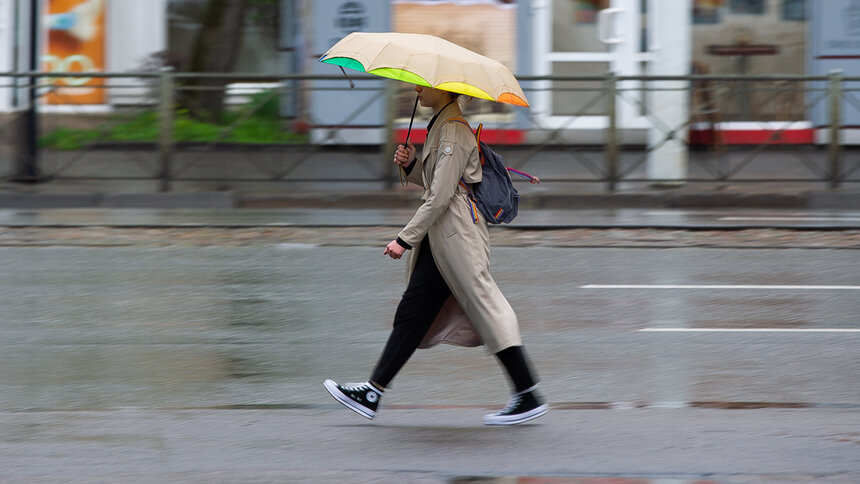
{"type": "Point", "coordinates": [547, 196]}
{"type": "Point", "coordinates": [326, 444]}
{"type": "Point", "coordinates": [339, 178]}
{"type": "Point", "coordinates": [59, 194]}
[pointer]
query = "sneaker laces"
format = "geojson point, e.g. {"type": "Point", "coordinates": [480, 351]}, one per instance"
{"type": "Point", "coordinates": [352, 387]}
{"type": "Point", "coordinates": [513, 403]}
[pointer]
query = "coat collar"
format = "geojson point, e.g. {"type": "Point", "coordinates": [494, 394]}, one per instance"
{"type": "Point", "coordinates": [449, 111]}
{"type": "Point", "coordinates": [436, 116]}
{"type": "Point", "coordinates": [435, 127]}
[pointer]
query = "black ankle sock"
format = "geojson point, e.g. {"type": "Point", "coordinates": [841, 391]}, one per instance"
{"type": "Point", "coordinates": [514, 360]}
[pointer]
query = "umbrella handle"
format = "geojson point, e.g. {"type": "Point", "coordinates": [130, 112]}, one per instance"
{"type": "Point", "coordinates": [409, 131]}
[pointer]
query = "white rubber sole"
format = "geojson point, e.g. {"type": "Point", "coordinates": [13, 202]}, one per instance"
{"type": "Point", "coordinates": [365, 412]}
{"type": "Point", "coordinates": [496, 419]}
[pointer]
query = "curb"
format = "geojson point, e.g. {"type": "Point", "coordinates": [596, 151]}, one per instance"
{"type": "Point", "coordinates": [807, 200]}
{"type": "Point", "coordinates": [38, 201]}
{"type": "Point", "coordinates": [835, 199]}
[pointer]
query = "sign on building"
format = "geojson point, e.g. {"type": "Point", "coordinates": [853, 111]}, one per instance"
{"type": "Point", "coordinates": [75, 43]}
{"type": "Point", "coordinates": [356, 114]}
{"type": "Point", "coordinates": [834, 44]}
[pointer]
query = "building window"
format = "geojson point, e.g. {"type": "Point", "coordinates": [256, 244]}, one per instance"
{"type": "Point", "coordinates": [706, 11]}
{"type": "Point", "coordinates": [586, 10]}
{"type": "Point", "coordinates": [750, 7]}
{"type": "Point", "coordinates": [794, 10]}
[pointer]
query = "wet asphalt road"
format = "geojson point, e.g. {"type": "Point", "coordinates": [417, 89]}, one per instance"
{"type": "Point", "coordinates": [176, 363]}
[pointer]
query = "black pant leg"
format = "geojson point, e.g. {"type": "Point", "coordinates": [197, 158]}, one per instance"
{"type": "Point", "coordinates": [421, 302]}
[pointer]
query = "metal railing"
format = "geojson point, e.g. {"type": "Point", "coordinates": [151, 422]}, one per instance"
{"type": "Point", "coordinates": [144, 136]}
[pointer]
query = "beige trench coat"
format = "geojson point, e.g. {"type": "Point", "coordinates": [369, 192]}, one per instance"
{"type": "Point", "coordinates": [477, 312]}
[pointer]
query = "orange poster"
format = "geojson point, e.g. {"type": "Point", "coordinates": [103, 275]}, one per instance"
{"type": "Point", "coordinates": [76, 43]}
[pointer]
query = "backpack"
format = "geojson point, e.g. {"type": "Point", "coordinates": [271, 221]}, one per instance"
{"type": "Point", "coordinates": [495, 195]}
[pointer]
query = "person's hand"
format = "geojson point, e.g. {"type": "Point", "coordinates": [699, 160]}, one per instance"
{"type": "Point", "coordinates": [394, 250]}
{"type": "Point", "coordinates": [405, 154]}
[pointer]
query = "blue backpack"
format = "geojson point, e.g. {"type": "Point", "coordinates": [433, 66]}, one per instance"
{"type": "Point", "coordinates": [495, 195]}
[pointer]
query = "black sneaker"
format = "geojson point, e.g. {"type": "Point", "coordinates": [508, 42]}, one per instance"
{"type": "Point", "coordinates": [361, 398]}
{"type": "Point", "coordinates": [524, 406]}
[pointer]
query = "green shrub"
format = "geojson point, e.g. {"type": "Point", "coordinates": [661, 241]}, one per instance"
{"type": "Point", "coordinates": [261, 124]}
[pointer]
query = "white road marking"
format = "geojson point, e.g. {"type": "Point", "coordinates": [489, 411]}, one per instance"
{"type": "Point", "coordinates": [790, 219]}
{"type": "Point", "coordinates": [749, 330]}
{"type": "Point", "coordinates": [756, 213]}
{"type": "Point", "coordinates": [720, 286]}
{"type": "Point", "coordinates": [297, 245]}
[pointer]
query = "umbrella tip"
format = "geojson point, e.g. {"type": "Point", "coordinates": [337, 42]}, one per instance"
{"type": "Point", "coordinates": [351, 84]}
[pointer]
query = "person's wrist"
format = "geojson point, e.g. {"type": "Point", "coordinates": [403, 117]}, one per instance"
{"type": "Point", "coordinates": [402, 243]}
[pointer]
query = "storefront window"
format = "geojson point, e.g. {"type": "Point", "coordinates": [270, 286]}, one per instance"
{"type": "Point", "coordinates": [755, 7]}
{"type": "Point", "coordinates": [706, 11]}
{"type": "Point", "coordinates": [575, 26]}
{"type": "Point", "coordinates": [744, 37]}
{"type": "Point", "coordinates": [585, 11]}
{"type": "Point", "coordinates": [579, 98]}
{"type": "Point", "coordinates": [794, 10]}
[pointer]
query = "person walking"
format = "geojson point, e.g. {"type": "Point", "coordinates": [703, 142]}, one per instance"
{"type": "Point", "coordinates": [450, 296]}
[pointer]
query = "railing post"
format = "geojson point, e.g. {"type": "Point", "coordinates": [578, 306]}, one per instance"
{"type": "Point", "coordinates": [27, 169]}
{"type": "Point", "coordinates": [835, 91]}
{"type": "Point", "coordinates": [612, 133]}
{"type": "Point", "coordinates": [167, 90]}
{"type": "Point", "coordinates": [27, 136]}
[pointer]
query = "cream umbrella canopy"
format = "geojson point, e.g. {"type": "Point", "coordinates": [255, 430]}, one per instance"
{"type": "Point", "coordinates": [427, 60]}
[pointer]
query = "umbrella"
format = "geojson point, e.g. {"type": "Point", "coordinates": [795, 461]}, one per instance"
{"type": "Point", "coordinates": [427, 60]}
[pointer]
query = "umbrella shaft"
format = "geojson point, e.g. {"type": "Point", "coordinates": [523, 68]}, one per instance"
{"type": "Point", "coordinates": [409, 131]}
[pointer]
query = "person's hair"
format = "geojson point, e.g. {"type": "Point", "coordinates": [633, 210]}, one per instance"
{"type": "Point", "coordinates": [456, 96]}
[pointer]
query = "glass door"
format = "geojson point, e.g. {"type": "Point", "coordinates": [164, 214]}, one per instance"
{"type": "Point", "coordinates": [589, 38]}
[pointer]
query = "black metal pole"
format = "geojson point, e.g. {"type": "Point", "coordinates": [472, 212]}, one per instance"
{"type": "Point", "coordinates": [28, 171]}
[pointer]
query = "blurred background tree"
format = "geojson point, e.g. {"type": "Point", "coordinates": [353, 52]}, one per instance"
{"type": "Point", "coordinates": [218, 30]}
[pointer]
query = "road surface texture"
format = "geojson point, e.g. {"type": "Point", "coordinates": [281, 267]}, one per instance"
{"type": "Point", "coordinates": [151, 354]}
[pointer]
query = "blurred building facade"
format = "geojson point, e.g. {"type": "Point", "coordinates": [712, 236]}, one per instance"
{"type": "Point", "coordinates": [533, 37]}
{"type": "Point", "coordinates": [628, 38]}
{"type": "Point", "coordinates": [79, 36]}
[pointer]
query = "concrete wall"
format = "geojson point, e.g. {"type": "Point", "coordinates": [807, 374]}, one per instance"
{"type": "Point", "coordinates": [136, 31]}
{"type": "Point", "coordinates": [10, 60]}
{"type": "Point", "coordinates": [7, 29]}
